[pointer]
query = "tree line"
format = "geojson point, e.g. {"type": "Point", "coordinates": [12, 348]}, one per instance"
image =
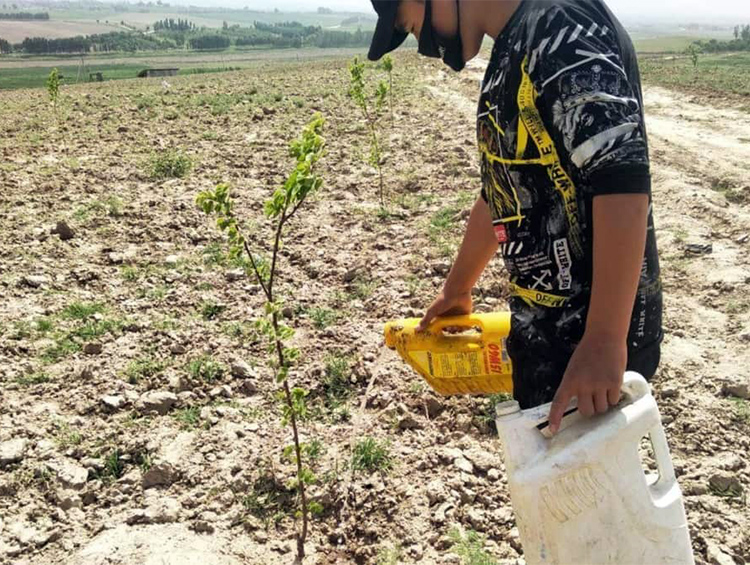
{"type": "Point", "coordinates": [97, 43]}
{"type": "Point", "coordinates": [180, 34]}
{"type": "Point", "coordinates": [741, 42]}
{"type": "Point", "coordinates": [174, 25]}
{"type": "Point", "coordinates": [24, 16]}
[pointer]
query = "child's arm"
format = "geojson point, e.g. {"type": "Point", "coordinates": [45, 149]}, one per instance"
{"type": "Point", "coordinates": [595, 371]}
{"type": "Point", "coordinates": [478, 247]}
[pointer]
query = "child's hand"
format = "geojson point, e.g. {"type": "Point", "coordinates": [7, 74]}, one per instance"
{"type": "Point", "coordinates": [594, 376]}
{"type": "Point", "coordinates": [446, 304]}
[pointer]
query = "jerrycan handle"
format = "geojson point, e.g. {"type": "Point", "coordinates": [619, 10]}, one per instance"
{"type": "Point", "coordinates": [470, 321]}
{"type": "Point", "coordinates": [634, 387]}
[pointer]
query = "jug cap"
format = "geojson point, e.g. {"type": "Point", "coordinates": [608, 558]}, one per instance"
{"type": "Point", "coordinates": [507, 408]}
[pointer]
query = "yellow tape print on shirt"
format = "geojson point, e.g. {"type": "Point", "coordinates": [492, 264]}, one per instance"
{"type": "Point", "coordinates": [538, 297]}
{"type": "Point", "coordinates": [531, 125]}
{"type": "Point", "coordinates": [530, 117]}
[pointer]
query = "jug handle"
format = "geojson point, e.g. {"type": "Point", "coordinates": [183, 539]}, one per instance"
{"type": "Point", "coordinates": [662, 458]}
{"type": "Point", "coordinates": [634, 387]}
{"type": "Point", "coordinates": [467, 321]}
{"type": "Point", "coordinates": [439, 326]}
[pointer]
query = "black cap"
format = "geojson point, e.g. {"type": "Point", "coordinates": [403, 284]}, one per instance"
{"type": "Point", "coordinates": [385, 38]}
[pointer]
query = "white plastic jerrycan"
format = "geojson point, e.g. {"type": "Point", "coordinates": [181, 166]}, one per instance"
{"type": "Point", "coordinates": [582, 496]}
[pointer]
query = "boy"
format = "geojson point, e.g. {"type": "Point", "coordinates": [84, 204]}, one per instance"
{"type": "Point", "coordinates": [566, 193]}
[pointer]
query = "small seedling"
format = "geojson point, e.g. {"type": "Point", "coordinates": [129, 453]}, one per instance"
{"type": "Point", "coordinates": [188, 418]}
{"type": "Point", "coordinates": [62, 347]}
{"type": "Point", "coordinates": [371, 455]}
{"type": "Point", "coordinates": [67, 437]}
{"type": "Point", "coordinates": [741, 410]}
{"type": "Point", "coordinates": [488, 414]}
{"type": "Point", "coordinates": [53, 87]}
{"type": "Point", "coordinates": [129, 273]}
{"type": "Point", "coordinates": [269, 499]}
{"type": "Point", "coordinates": [387, 64]}
{"type": "Point", "coordinates": [363, 288]}
{"type": "Point", "coordinates": [244, 331]}
{"type": "Point", "coordinates": [43, 325]}
{"type": "Point", "coordinates": [114, 467]}
{"type": "Point", "coordinates": [143, 460]}
{"type": "Point", "coordinates": [371, 111]}
{"type": "Point", "coordinates": [285, 202]}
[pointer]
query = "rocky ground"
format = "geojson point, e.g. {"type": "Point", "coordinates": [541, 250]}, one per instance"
{"type": "Point", "coordinates": [138, 421]}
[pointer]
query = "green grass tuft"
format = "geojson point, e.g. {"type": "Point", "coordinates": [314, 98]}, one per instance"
{"type": "Point", "coordinates": [470, 547]}
{"type": "Point", "coordinates": [144, 367]}
{"type": "Point", "coordinates": [371, 455]}
{"type": "Point", "coordinates": [205, 368]}
{"type": "Point", "coordinates": [82, 310]}
{"type": "Point", "coordinates": [170, 164]}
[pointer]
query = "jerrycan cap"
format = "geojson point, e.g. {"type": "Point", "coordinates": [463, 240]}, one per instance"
{"type": "Point", "coordinates": [507, 408]}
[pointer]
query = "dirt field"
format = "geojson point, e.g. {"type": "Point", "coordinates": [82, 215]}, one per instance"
{"type": "Point", "coordinates": [141, 299]}
{"type": "Point", "coordinates": [15, 31]}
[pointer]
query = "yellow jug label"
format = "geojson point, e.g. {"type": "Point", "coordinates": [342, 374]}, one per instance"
{"type": "Point", "coordinates": [451, 365]}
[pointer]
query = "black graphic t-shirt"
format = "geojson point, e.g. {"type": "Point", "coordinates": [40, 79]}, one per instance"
{"type": "Point", "coordinates": [560, 121]}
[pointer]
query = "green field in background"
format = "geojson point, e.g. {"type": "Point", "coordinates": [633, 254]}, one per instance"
{"type": "Point", "coordinates": [666, 44]}
{"type": "Point", "coordinates": [117, 65]}
{"type": "Point", "coordinates": [722, 74]}
{"type": "Point", "coordinates": [36, 77]}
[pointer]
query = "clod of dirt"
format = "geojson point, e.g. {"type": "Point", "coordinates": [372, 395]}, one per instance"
{"type": "Point", "coordinates": [716, 556]}
{"type": "Point", "coordinates": [35, 281]}
{"type": "Point", "coordinates": [242, 370]}
{"type": "Point", "coordinates": [160, 474]}
{"type": "Point", "coordinates": [92, 348]}
{"type": "Point", "coordinates": [156, 401]}
{"type": "Point", "coordinates": [69, 473]}
{"type": "Point", "coordinates": [112, 402]}
{"type": "Point", "coordinates": [63, 230]}
{"type": "Point", "coordinates": [12, 451]}
{"type": "Point", "coordinates": [725, 483]}
{"type": "Point", "coordinates": [737, 389]}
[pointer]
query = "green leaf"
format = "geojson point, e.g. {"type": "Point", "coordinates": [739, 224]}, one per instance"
{"type": "Point", "coordinates": [282, 374]}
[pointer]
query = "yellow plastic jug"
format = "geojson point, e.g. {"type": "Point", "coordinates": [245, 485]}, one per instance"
{"type": "Point", "coordinates": [457, 354]}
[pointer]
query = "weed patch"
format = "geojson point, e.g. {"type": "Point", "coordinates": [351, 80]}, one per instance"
{"type": "Point", "coordinates": [371, 455]}
{"type": "Point", "coordinates": [170, 164]}
{"type": "Point", "coordinates": [144, 368]}
{"type": "Point", "coordinates": [470, 547]}
{"type": "Point", "coordinates": [205, 368]}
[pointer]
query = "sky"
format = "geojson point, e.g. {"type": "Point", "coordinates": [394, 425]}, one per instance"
{"type": "Point", "coordinates": [682, 10]}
